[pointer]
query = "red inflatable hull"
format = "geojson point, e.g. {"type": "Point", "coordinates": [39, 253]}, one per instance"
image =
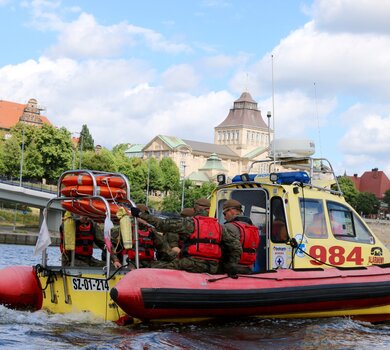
{"type": "Point", "coordinates": [20, 288]}
{"type": "Point", "coordinates": [152, 294]}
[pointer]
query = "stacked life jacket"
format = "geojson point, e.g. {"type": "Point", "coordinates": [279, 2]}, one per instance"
{"type": "Point", "coordinates": [84, 239]}
{"type": "Point", "coordinates": [249, 239]}
{"type": "Point", "coordinates": [145, 246]}
{"type": "Point", "coordinates": [205, 241]}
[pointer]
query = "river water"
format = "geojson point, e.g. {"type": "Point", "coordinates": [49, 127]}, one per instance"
{"type": "Point", "coordinates": [39, 330]}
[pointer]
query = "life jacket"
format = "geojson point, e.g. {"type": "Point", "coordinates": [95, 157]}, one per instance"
{"type": "Point", "coordinates": [84, 239]}
{"type": "Point", "coordinates": [145, 246]}
{"type": "Point", "coordinates": [249, 239]}
{"type": "Point", "coordinates": [205, 241]}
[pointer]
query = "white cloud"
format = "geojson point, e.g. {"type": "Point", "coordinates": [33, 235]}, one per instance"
{"type": "Point", "coordinates": [370, 136]}
{"type": "Point", "coordinates": [358, 16]}
{"type": "Point", "coordinates": [84, 37]}
{"type": "Point", "coordinates": [180, 77]}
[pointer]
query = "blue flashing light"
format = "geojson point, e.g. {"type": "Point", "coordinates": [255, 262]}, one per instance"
{"type": "Point", "coordinates": [238, 178]}
{"type": "Point", "coordinates": [289, 177]}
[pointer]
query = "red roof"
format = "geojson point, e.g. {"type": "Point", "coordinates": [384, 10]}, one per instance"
{"type": "Point", "coordinates": [10, 113]}
{"type": "Point", "coordinates": [374, 181]}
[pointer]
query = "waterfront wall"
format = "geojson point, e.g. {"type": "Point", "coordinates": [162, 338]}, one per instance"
{"type": "Point", "coordinates": [24, 238]}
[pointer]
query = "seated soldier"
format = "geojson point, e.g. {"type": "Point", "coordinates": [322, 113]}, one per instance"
{"type": "Point", "coordinates": [202, 238]}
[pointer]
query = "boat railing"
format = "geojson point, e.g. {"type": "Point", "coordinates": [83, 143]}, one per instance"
{"type": "Point", "coordinates": [316, 168]}
{"type": "Point", "coordinates": [105, 214]}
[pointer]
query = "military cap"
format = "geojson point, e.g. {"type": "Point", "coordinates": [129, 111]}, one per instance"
{"type": "Point", "coordinates": [232, 203]}
{"type": "Point", "coordinates": [203, 202]}
{"type": "Point", "coordinates": [143, 208]}
{"type": "Point", "coordinates": [186, 212]}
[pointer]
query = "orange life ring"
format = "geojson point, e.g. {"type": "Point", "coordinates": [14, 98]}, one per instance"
{"type": "Point", "coordinates": [104, 191]}
{"type": "Point", "coordinates": [101, 180]}
{"type": "Point", "coordinates": [97, 206]}
{"type": "Point", "coordinates": [75, 208]}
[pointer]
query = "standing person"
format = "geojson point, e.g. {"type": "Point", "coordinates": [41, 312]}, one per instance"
{"type": "Point", "coordinates": [86, 237]}
{"type": "Point", "coordinates": [241, 226]}
{"type": "Point", "coordinates": [202, 236]}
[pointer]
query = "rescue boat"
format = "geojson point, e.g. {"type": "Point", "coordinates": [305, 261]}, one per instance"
{"type": "Point", "coordinates": [316, 258]}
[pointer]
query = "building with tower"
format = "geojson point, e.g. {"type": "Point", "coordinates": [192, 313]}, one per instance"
{"type": "Point", "coordinates": [242, 138]}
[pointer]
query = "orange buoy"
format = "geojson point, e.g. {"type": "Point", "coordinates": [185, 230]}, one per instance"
{"type": "Point", "coordinates": [97, 206]}
{"type": "Point", "coordinates": [101, 180]}
{"type": "Point", "coordinates": [77, 209]}
{"type": "Point", "coordinates": [104, 191]}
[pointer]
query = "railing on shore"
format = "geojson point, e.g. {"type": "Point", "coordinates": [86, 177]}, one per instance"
{"type": "Point", "coordinates": [30, 185]}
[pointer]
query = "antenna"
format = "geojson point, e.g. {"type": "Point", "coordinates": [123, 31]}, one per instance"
{"type": "Point", "coordinates": [273, 106]}
{"type": "Point", "coordinates": [318, 121]}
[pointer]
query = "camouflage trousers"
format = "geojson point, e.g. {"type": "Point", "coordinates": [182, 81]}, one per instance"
{"type": "Point", "coordinates": [189, 264]}
{"type": "Point", "coordinates": [162, 244]}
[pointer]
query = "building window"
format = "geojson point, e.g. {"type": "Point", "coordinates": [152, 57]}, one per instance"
{"type": "Point", "coordinates": [237, 134]}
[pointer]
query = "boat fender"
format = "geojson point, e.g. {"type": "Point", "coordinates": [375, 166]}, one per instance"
{"type": "Point", "coordinates": [69, 231]}
{"type": "Point", "coordinates": [125, 228]}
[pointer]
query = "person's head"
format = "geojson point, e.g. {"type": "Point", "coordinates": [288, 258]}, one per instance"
{"type": "Point", "coordinates": [84, 219]}
{"type": "Point", "coordinates": [187, 212]}
{"type": "Point", "coordinates": [143, 208]}
{"type": "Point", "coordinates": [231, 208]}
{"type": "Point", "coordinates": [202, 207]}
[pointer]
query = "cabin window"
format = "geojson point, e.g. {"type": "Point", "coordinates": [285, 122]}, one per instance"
{"type": "Point", "coordinates": [346, 225]}
{"type": "Point", "coordinates": [254, 204]}
{"type": "Point", "coordinates": [278, 221]}
{"type": "Point", "coordinates": [313, 218]}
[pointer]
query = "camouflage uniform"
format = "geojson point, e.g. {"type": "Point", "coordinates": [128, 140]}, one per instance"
{"type": "Point", "coordinates": [184, 227]}
{"type": "Point", "coordinates": [234, 230]}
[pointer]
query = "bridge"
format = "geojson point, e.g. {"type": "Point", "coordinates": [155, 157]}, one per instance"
{"type": "Point", "coordinates": [35, 198]}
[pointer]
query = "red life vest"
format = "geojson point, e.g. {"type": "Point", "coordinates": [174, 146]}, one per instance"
{"type": "Point", "coordinates": [145, 246]}
{"type": "Point", "coordinates": [84, 239]}
{"type": "Point", "coordinates": [205, 241]}
{"type": "Point", "coordinates": [250, 239]}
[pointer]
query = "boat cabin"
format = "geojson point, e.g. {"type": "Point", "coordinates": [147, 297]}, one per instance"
{"type": "Point", "coordinates": [302, 216]}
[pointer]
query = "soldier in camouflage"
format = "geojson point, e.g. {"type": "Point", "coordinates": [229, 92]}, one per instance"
{"type": "Point", "coordinates": [186, 227]}
{"type": "Point", "coordinates": [239, 225]}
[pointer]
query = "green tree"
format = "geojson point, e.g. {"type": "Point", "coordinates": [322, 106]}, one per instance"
{"type": "Point", "coordinates": [367, 203]}
{"type": "Point", "coordinates": [120, 148]}
{"type": "Point", "coordinates": [155, 174]}
{"type": "Point", "coordinates": [86, 142]}
{"type": "Point", "coordinates": [55, 147]}
{"type": "Point", "coordinates": [101, 161]}
{"type": "Point", "coordinates": [349, 190]}
{"type": "Point", "coordinates": [12, 157]}
{"type": "Point", "coordinates": [386, 197]}
{"type": "Point", "coordinates": [171, 175]}
{"type": "Point", "coordinates": [33, 161]}
{"type": "Point", "coordinates": [2, 164]}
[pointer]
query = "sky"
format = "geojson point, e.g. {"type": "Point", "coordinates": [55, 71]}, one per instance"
{"type": "Point", "coordinates": [131, 70]}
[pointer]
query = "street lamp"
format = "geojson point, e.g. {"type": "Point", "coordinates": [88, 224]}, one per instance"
{"type": "Point", "coordinates": [269, 132]}
{"type": "Point", "coordinates": [184, 180]}
{"type": "Point", "coordinates": [147, 183]}
{"type": "Point", "coordinates": [21, 159]}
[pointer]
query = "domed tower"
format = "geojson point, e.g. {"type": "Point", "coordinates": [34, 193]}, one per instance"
{"type": "Point", "coordinates": [244, 129]}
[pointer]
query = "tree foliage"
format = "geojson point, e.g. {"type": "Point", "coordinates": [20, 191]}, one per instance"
{"type": "Point", "coordinates": [386, 197]}
{"type": "Point", "coordinates": [349, 190]}
{"type": "Point", "coordinates": [86, 141]}
{"type": "Point", "coordinates": [367, 203]}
